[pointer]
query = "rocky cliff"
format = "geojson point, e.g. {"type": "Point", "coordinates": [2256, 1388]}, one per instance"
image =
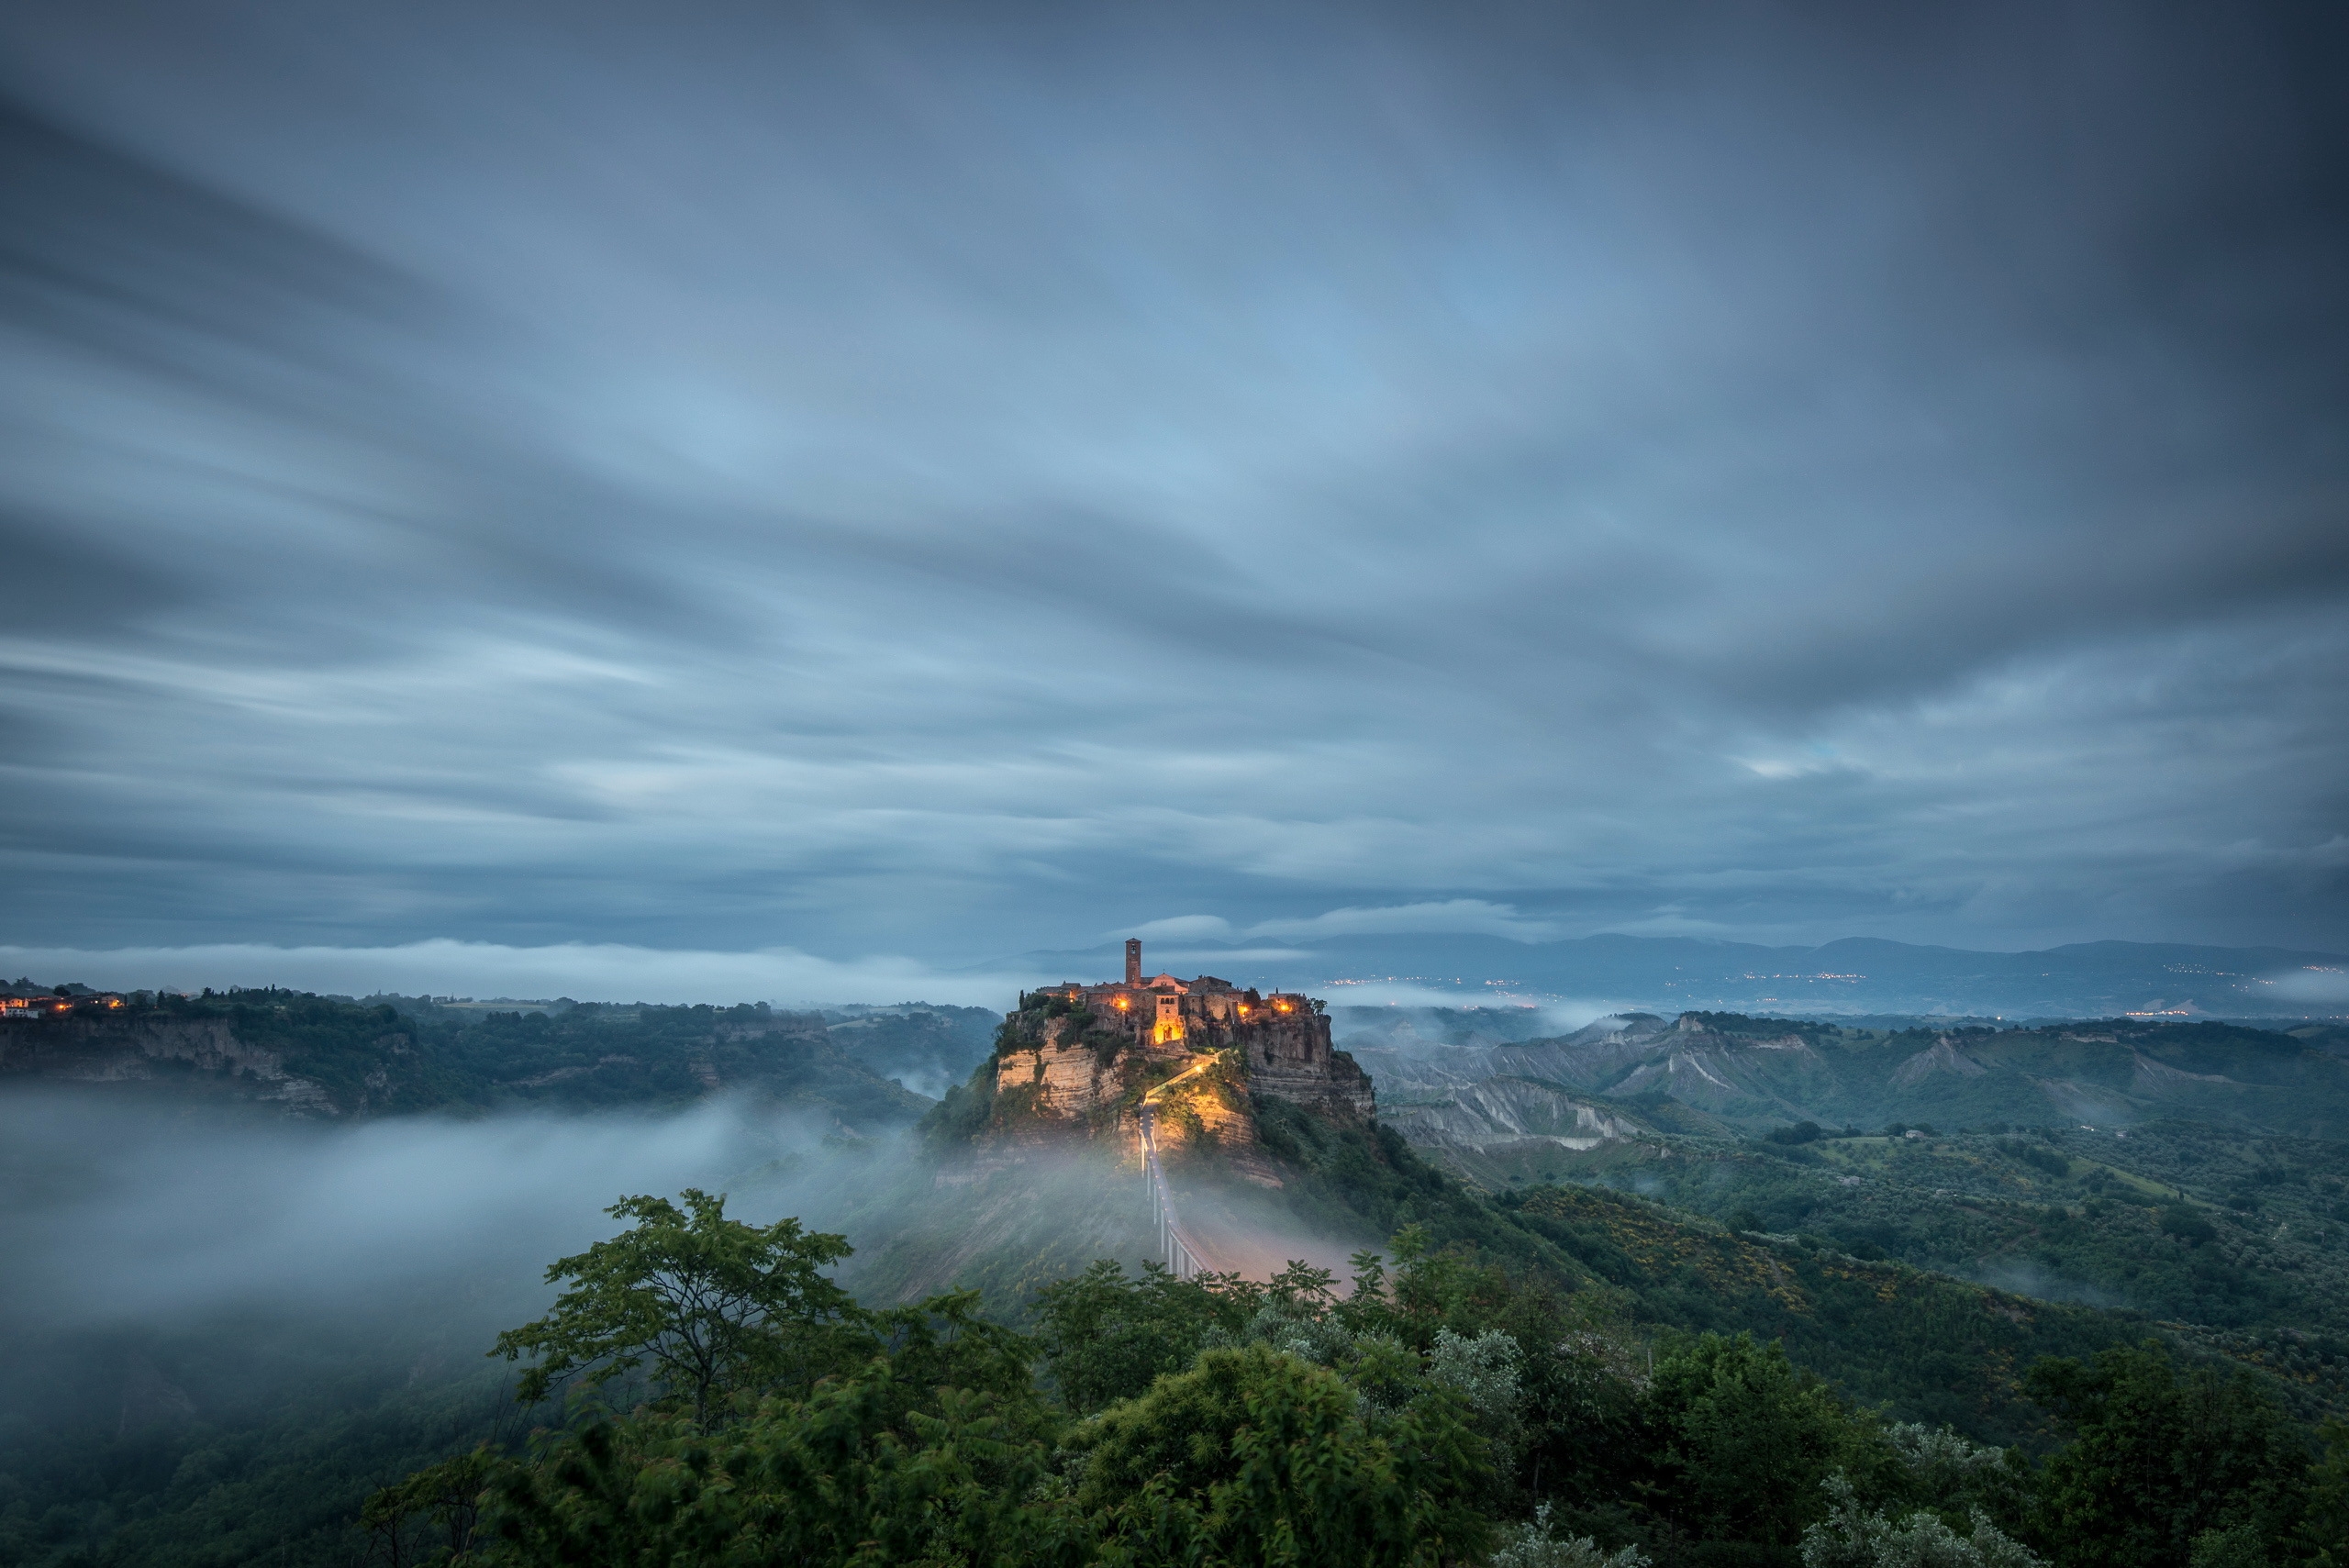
{"type": "Point", "coordinates": [204, 1053]}
{"type": "Point", "coordinates": [317, 1056]}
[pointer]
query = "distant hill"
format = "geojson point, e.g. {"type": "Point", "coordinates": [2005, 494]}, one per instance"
{"type": "Point", "coordinates": [329, 1057]}
{"type": "Point", "coordinates": [1674, 974]}
{"type": "Point", "coordinates": [1453, 1086]}
{"type": "Point", "coordinates": [926, 1046]}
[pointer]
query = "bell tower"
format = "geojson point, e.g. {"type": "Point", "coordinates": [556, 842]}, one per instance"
{"type": "Point", "coordinates": [1133, 961]}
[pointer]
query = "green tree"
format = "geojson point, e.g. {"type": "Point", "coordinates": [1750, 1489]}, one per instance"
{"type": "Point", "coordinates": [1958, 1477]}
{"type": "Point", "coordinates": [864, 1472]}
{"type": "Point", "coordinates": [449, 1495]}
{"type": "Point", "coordinates": [2325, 1524]}
{"type": "Point", "coordinates": [944, 1344]}
{"type": "Point", "coordinates": [937, 1449]}
{"type": "Point", "coordinates": [1535, 1545]}
{"type": "Point", "coordinates": [712, 1308]}
{"type": "Point", "coordinates": [1851, 1537]}
{"type": "Point", "coordinates": [2159, 1460]}
{"type": "Point", "coordinates": [1743, 1444]}
{"type": "Point", "coordinates": [1255, 1457]}
{"type": "Point", "coordinates": [1107, 1336]}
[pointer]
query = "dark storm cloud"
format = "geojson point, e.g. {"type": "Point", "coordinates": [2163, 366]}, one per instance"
{"type": "Point", "coordinates": [949, 483]}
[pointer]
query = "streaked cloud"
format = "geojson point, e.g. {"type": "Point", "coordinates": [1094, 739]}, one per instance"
{"type": "Point", "coordinates": [601, 971]}
{"type": "Point", "coordinates": [1447, 914]}
{"type": "Point", "coordinates": [824, 481]}
{"type": "Point", "coordinates": [1181, 928]}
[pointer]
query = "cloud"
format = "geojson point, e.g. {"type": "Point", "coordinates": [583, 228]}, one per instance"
{"type": "Point", "coordinates": [169, 1215]}
{"type": "Point", "coordinates": [747, 480]}
{"type": "Point", "coordinates": [1445, 915]}
{"type": "Point", "coordinates": [1558, 1014]}
{"type": "Point", "coordinates": [1190, 927]}
{"type": "Point", "coordinates": [583, 971]}
{"type": "Point", "coordinates": [2312, 985]}
{"type": "Point", "coordinates": [1159, 958]}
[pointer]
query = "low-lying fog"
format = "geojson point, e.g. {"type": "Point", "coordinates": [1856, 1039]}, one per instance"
{"type": "Point", "coordinates": [170, 1262]}
{"type": "Point", "coordinates": [115, 1209]}
{"type": "Point", "coordinates": [234, 1251]}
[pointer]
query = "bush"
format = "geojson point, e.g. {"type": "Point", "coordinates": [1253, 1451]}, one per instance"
{"type": "Point", "coordinates": [2038, 1156]}
{"type": "Point", "coordinates": [1532, 1546]}
{"type": "Point", "coordinates": [1853, 1537]}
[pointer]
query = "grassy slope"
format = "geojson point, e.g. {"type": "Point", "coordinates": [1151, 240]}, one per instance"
{"type": "Point", "coordinates": [2232, 1242]}
{"type": "Point", "coordinates": [1933, 1348]}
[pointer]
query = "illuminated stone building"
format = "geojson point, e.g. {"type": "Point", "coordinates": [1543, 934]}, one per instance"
{"type": "Point", "coordinates": [1283, 1037]}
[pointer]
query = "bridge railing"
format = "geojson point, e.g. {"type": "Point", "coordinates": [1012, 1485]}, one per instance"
{"type": "Point", "coordinates": [1175, 1248]}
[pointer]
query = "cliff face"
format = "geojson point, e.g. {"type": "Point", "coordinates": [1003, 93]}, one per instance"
{"type": "Point", "coordinates": [1291, 1059]}
{"type": "Point", "coordinates": [148, 1049]}
{"type": "Point", "coordinates": [319, 1057]}
{"type": "Point", "coordinates": [1048, 1073]}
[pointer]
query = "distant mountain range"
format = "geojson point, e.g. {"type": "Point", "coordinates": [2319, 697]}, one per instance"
{"type": "Point", "coordinates": [1856, 975]}
{"type": "Point", "coordinates": [1447, 1081]}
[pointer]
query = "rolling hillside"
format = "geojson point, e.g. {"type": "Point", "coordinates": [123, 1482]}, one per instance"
{"type": "Point", "coordinates": [1712, 1073]}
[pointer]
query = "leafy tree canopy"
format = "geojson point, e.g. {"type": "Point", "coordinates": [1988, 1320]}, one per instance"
{"type": "Point", "coordinates": [709, 1307]}
{"type": "Point", "coordinates": [2159, 1459]}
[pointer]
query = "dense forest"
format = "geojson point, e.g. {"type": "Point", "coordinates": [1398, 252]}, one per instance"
{"type": "Point", "coordinates": [1449, 1408]}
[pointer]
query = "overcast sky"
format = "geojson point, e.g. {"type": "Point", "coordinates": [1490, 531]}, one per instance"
{"type": "Point", "coordinates": [885, 481]}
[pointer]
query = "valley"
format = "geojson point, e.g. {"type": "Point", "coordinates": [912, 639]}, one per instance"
{"type": "Point", "coordinates": [1911, 1209]}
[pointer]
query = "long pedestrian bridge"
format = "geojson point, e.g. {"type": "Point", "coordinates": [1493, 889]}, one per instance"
{"type": "Point", "coordinates": [1177, 1248]}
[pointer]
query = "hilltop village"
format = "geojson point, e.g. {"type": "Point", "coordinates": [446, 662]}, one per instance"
{"type": "Point", "coordinates": [1084, 1056]}
{"type": "Point", "coordinates": [24, 999]}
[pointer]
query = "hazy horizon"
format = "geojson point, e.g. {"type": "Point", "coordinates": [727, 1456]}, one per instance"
{"type": "Point", "coordinates": [1352, 967]}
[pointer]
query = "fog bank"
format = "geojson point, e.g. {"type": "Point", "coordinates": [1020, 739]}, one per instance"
{"type": "Point", "coordinates": [123, 1212]}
